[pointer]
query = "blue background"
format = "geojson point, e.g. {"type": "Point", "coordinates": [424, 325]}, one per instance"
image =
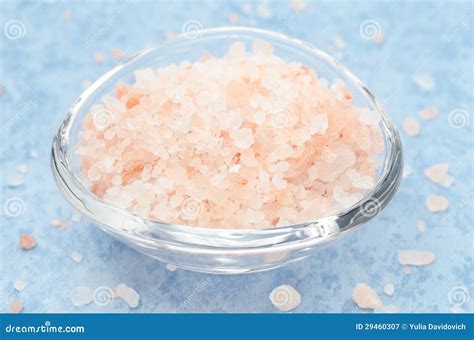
{"type": "Point", "coordinates": [43, 72]}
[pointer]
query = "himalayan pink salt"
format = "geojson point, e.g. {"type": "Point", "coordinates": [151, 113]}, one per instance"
{"type": "Point", "coordinates": [16, 306]}
{"type": "Point", "coordinates": [299, 5]}
{"type": "Point", "coordinates": [415, 257]}
{"type": "Point", "coordinates": [429, 113]}
{"type": "Point", "coordinates": [436, 203]}
{"type": "Point", "coordinates": [421, 225]}
{"type": "Point", "coordinates": [27, 242]}
{"type": "Point", "coordinates": [366, 297]}
{"type": "Point", "coordinates": [246, 140]}
{"type": "Point", "coordinates": [59, 223]}
{"type": "Point", "coordinates": [411, 126]}
{"type": "Point", "coordinates": [439, 174]}
{"type": "Point", "coordinates": [127, 294]}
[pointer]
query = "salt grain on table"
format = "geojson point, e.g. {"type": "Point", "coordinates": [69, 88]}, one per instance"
{"type": "Point", "coordinates": [436, 203]}
{"type": "Point", "coordinates": [27, 242]}
{"type": "Point", "coordinates": [81, 296]}
{"type": "Point", "coordinates": [415, 257]}
{"type": "Point", "coordinates": [59, 223]}
{"type": "Point", "coordinates": [421, 225]}
{"type": "Point", "coordinates": [99, 57]}
{"type": "Point", "coordinates": [171, 267]}
{"type": "Point", "coordinates": [438, 174]}
{"type": "Point", "coordinates": [15, 181]}
{"type": "Point", "coordinates": [76, 257]}
{"type": "Point", "coordinates": [429, 113]}
{"type": "Point", "coordinates": [285, 298]}
{"type": "Point", "coordinates": [19, 285]}
{"type": "Point", "coordinates": [16, 306]}
{"type": "Point", "coordinates": [129, 295]}
{"type": "Point", "coordinates": [406, 270]}
{"type": "Point", "coordinates": [366, 297]}
{"type": "Point", "coordinates": [389, 289]}
{"type": "Point", "coordinates": [411, 126]}
{"type": "Point", "coordinates": [424, 81]}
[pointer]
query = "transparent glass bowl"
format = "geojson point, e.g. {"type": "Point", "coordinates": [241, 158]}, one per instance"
{"type": "Point", "coordinates": [222, 251]}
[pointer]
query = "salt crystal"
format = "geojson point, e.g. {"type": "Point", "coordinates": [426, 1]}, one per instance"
{"type": "Point", "coordinates": [99, 57]}
{"type": "Point", "coordinates": [59, 223]}
{"type": "Point", "coordinates": [439, 174]}
{"type": "Point", "coordinates": [411, 126]}
{"type": "Point", "coordinates": [299, 5]}
{"type": "Point", "coordinates": [16, 306]}
{"type": "Point", "coordinates": [424, 81]}
{"type": "Point", "coordinates": [285, 298]}
{"type": "Point", "coordinates": [318, 124]}
{"type": "Point", "coordinates": [27, 242]}
{"type": "Point", "coordinates": [171, 267]}
{"type": "Point", "coordinates": [429, 113]}
{"type": "Point", "coordinates": [436, 203]}
{"type": "Point", "coordinates": [22, 168]}
{"type": "Point", "coordinates": [406, 270]}
{"type": "Point", "coordinates": [243, 138]}
{"type": "Point", "coordinates": [421, 225]}
{"type": "Point", "coordinates": [389, 289]}
{"type": "Point", "coordinates": [15, 181]}
{"type": "Point", "coordinates": [233, 17]}
{"type": "Point", "coordinates": [366, 297]}
{"type": "Point", "coordinates": [34, 153]}
{"type": "Point", "coordinates": [407, 171]}
{"type": "Point", "coordinates": [19, 285]}
{"type": "Point", "coordinates": [415, 257]}
{"type": "Point", "coordinates": [129, 295]}
{"type": "Point", "coordinates": [81, 296]}
{"type": "Point", "coordinates": [76, 257]}
{"type": "Point", "coordinates": [117, 53]}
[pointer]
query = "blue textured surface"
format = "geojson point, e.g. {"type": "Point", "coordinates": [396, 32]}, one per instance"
{"type": "Point", "coordinates": [42, 74]}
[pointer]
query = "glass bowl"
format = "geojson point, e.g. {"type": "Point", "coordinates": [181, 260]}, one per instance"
{"type": "Point", "coordinates": [222, 251]}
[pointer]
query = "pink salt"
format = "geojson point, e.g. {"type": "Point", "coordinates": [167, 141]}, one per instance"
{"type": "Point", "coordinates": [411, 126]}
{"type": "Point", "coordinates": [247, 140]}
{"type": "Point", "coordinates": [429, 113]}
{"type": "Point", "coordinates": [436, 203]}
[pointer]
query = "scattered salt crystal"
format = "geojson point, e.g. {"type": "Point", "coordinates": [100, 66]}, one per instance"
{"type": "Point", "coordinates": [22, 168]}
{"type": "Point", "coordinates": [406, 270]}
{"type": "Point", "coordinates": [285, 298]}
{"type": "Point", "coordinates": [424, 81]}
{"type": "Point", "coordinates": [421, 225]}
{"type": "Point", "coordinates": [299, 5]}
{"type": "Point", "coordinates": [59, 223]}
{"type": "Point", "coordinates": [389, 289]}
{"type": "Point", "coordinates": [429, 113]}
{"type": "Point", "coordinates": [129, 295]}
{"type": "Point", "coordinates": [27, 242]}
{"type": "Point", "coordinates": [411, 126]}
{"type": "Point", "coordinates": [76, 257]}
{"type": "Point", "coordinates": [99, 57]}
{"type": "Point", "coordinates": [15, 181]}
{"type": "Point", "coordinates": [407, 171]}
{"type": "Point", "coordinates": [415, 257]}
{"type": "Point", "coordinates": [439, 174]}
{"type": "Point", "coordinates": [171, 267]}
{"type": "Point", "coordinates": [436, 203]}
{"type": "Point", "coordinates": [366, 297]}
{"type": "Point", "coordinates": [33, 153]}
{"type": "Point", "coordinates": [16, 306]}
{"type": "Point", "coordinates": [117, 53]}
{"type": "Point", "coordinates": [233, 17]}
{"type": "Point", "coordinates": [81, 296]}
{"type": "Point", "coordinates": [19, 285]}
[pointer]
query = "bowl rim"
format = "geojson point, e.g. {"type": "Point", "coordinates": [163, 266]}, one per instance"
{"type": "Point", "coordinates": [78, 195]}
